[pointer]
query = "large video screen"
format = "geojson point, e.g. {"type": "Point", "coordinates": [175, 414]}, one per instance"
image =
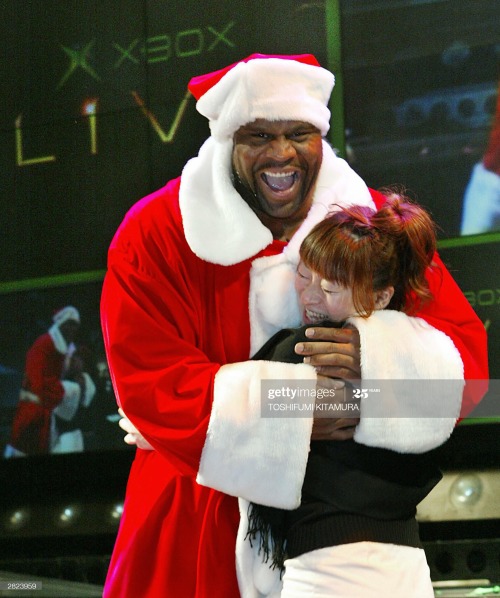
{"type": "Point", "coordinates": [422, 112]}
{"type": "Point", "coordinates": [421, 86]}
{"type": "Point", "coordinates": [95, 114]}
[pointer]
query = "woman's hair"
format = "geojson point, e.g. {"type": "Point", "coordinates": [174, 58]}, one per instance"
{"type": "Point", "coordinates": [369, 250]}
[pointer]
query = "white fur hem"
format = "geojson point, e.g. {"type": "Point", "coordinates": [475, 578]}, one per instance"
{"type": "Point", "coordinates": [69, 442]}
{"type": "Point", "coordinates": [247, 454]}
{"type": "Point", "coordinates": [396, 347]}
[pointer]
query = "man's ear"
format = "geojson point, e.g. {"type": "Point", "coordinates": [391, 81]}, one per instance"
{"type": "Point", "coordinates": [383, 297]}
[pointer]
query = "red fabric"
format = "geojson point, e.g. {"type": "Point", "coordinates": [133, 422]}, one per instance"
{"type": "Point", "coordinates": [169, 321]}
{"type": "Point", "coordinates": [491, 159]}
{"type": "Point", "coordinates": [201, 84]}
{"type": "Point", "coordinates": [42, 377]}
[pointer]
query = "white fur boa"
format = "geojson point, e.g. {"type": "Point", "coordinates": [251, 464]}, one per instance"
{"type": "Point", "coordinates": [209, 202]}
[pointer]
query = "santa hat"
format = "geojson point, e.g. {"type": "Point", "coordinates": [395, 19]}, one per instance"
{"type": "Point", "coordinates": [66, 313]}
{"type": "Point", "coordinates": [271, 87]}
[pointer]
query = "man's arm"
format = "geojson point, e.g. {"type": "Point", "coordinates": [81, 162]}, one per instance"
{"type": "Point", "coordinates": [167, 339]}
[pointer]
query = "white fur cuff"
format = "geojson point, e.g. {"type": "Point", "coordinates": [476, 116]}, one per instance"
{"type": "Point", "coordinates": [404, 350]}
{"type": "Point", "coordinates": [246, 454]}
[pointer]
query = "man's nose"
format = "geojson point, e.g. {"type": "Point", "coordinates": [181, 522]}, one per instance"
{"type": "Point", "coordinates": [282, 148]}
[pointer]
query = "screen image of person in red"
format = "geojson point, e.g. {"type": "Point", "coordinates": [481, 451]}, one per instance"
{"type": "Point", "coordinates": [481, 207]}
{"type": "Point", "coordinates": [200, 275]}
{"type": "Point", "coordinates": [54, 386]}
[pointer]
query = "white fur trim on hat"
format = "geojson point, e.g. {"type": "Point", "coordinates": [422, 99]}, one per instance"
{"type": "Point", "coordinates": [66, 313]}
{"type": "Point", "coordinates": [269, 88]}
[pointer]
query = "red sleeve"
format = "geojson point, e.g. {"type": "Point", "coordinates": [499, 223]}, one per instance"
{"type": "Point", "coordinates": [151, 326]}
{"type": "Point", "coordinates": [450, 312]}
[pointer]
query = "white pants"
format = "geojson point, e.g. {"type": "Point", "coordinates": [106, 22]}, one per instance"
{"type": "Point", "coordinates": [358, 570]}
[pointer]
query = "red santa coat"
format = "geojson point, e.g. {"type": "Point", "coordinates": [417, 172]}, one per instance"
{"type": "Point", "coordinates": [177, 330]}
{"type": "Point", "coordinates": [42, 380]}
{"type": "Point", "coordinates": [197, 319]}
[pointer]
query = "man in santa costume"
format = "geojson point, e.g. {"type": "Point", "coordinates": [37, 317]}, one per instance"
{"type": "Point", "coordinates": [200, 274]}
{"type": "Point", "coordinates": [48, 394]}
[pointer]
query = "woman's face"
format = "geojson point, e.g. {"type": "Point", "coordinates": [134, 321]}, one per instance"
{"type": "Point", "coordinates": [321, 299]}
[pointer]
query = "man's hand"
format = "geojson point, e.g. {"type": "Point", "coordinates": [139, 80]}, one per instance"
{"type": "Point", "coordinates": [133, 437]}
{"type": "Point", "coordinates": [333, 351]}
{"type": "Point", "coordinates": [333, 428]}
{"type": "Point", "coordinates": [332, 392]}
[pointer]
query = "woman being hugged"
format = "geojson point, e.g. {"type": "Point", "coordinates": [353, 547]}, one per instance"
{"type": "Point", "coordinates": [355, 532]}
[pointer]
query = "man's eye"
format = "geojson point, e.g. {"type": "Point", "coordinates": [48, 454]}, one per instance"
{"type": "Point", "coordinates": [299, 135]}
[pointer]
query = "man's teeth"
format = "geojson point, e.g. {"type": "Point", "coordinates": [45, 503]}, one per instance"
{"type": "Point", "coordinates": [279, 181]}
{"type": "Point", "coordinates": [314, 315]}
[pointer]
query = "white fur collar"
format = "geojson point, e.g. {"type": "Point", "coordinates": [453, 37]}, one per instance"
{"type": "Point", "coordinates": [59, 341]}
{"type": "Point", "coordinates": [220, 227]}
{"type": "Point", "coordinates": [218, 224]}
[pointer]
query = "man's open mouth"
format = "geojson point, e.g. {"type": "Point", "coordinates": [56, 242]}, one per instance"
{"type": "Point", "coordinates": [279, 181]}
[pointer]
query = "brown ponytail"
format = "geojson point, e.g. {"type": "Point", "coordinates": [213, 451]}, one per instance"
{"type": "Point", "coordinates": [414, 236]}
